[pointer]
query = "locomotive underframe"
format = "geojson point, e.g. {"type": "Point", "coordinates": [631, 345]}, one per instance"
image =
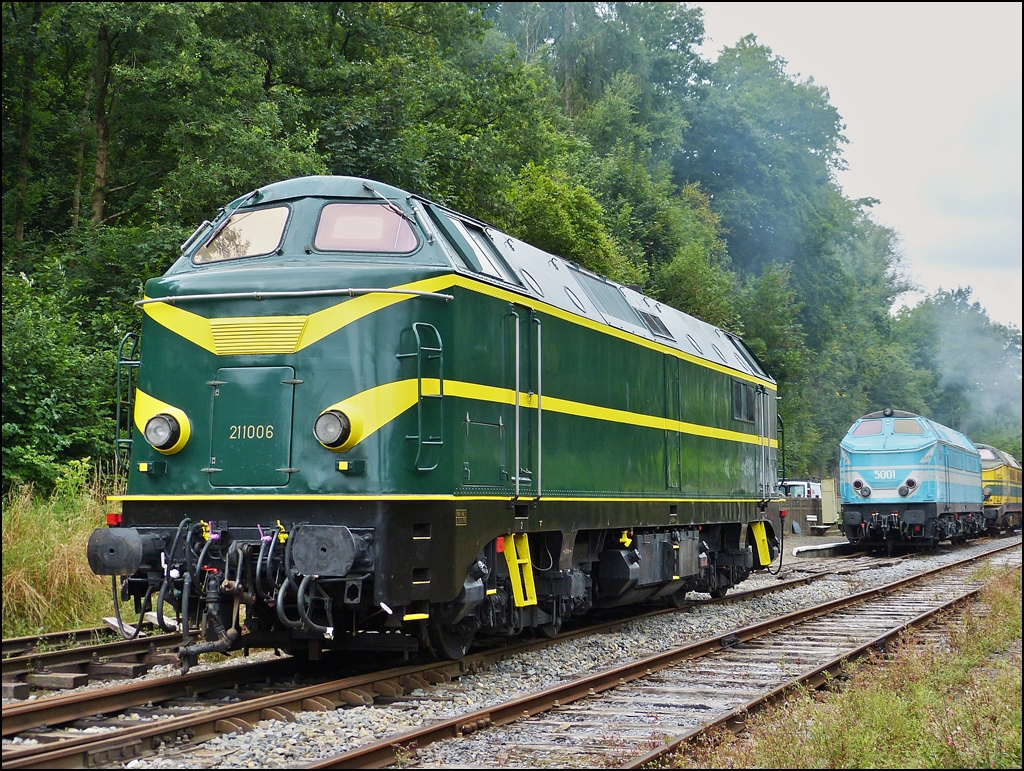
{"type": "Point", "coordinates": [913, 525]}
{"type": "Point", "coordinates": [1006, 517]}
{"type": "Point", "coordinates": [425, 573]}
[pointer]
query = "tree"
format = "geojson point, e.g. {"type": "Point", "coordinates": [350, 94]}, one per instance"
{"type": "Point", "coordinates": [765, 148]}
{"type": "Point", "coordinates": [550, 211]}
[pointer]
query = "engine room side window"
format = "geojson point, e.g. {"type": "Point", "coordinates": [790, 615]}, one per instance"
{"type": "Point", "coordinates": [363, 227]}
{"type": "Point", "coordinates": [743, 405]}
{"type": "Point", "coordinates": [868, 428]}
{"type": "Point", "coordinates": [906, 426]}
{"type": "Point", "coordinates": [247, 234]}
{"type": "Point", "coordinates": [490, 263]}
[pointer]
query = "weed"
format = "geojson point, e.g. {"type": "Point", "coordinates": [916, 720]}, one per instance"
{"type": "Point", "coordinates": [47, 583]}
{"type": "Point", "coordinates": [404, 755]}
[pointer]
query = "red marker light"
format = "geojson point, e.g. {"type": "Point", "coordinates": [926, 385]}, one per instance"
{"type": "Point", "coordinates": [113, 519]}
{"type": "Point", "coordinates": [857, 484]}
{"type": "Point", "coordinates": [782, 513]}
{"type": "Point", "coordinates": [499, 544]}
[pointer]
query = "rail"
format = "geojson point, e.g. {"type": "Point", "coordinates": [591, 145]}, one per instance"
{"type": "Point", "coordinates": [360, 689]}
{"type": "Point", "coordinates": [387, 751]}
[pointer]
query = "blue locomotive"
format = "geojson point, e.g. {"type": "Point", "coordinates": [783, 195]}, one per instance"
{"type": "Point", "coordinates": [907, 480]}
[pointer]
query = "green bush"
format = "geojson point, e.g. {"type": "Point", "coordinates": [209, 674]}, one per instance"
{"type": "Point", "coordinates": [57, 390]}
{"type": "Point", "coordinates": [557, 214]}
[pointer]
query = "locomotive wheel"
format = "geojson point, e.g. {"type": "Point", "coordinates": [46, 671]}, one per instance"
{"type": "Point", "coordinates": [720, 592]}
{"type": "Point", "coordinates": [549, 630]}
{"type": "Point", "coordinates": [449, 641]}
{"type": "Point", "coordinates": [677, 599]}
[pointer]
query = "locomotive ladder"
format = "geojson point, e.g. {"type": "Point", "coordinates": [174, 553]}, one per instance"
{"type": "Point", "coordinates": [127, 373]}
{"type": "Point", "coordinates": [426, 356]}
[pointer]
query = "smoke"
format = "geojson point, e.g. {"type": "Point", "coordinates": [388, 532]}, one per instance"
{"type": "Point", "coordinates": [978, 364]}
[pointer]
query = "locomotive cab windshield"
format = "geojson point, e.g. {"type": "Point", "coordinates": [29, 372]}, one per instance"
{"type": "Point", "coordinates": [363, 227]}
{"type": "Point", "coordinates": [246, 234]}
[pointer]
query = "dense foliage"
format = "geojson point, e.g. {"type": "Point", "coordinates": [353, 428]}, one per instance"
{"type": "Point", "coordinates": [594, 130]}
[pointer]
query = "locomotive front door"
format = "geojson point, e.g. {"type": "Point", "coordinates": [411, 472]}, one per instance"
{"type": "Point", "coordinates": [252, 426]}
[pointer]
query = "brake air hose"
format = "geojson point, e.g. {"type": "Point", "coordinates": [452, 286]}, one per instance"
{"type": "Point", "coordinates": [782, 550]}
{"type": "Point", "coordinates": [117, 609]}
{"type": "Point", "coordinates": [326, 631]}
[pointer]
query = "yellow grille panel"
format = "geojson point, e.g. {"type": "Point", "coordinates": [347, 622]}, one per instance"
{"type": "Point", "coordinates": [257, 334]}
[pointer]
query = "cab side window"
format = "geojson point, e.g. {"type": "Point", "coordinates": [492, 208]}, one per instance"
{"type": "Point", "coordinates": [743, 405]}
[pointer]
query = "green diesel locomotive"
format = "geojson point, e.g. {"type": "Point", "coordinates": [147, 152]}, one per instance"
{"type": "Point", "coordinates": [360, 419]}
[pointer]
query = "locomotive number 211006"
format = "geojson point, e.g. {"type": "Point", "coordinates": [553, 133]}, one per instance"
{"type": "Point", "coordinates": [251, 432]}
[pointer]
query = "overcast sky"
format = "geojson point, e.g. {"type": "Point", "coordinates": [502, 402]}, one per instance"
{"type": "Point", "coordinates": [931, 97]}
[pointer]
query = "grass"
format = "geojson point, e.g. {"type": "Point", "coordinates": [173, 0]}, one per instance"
{"type": "Point", "coordinates": [917, 706]}
{"type": "Point", "coordinates": [47, 583]}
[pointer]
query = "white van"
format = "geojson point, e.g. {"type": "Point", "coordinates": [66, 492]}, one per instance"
{"type": "Point", "coordinates": [801, 488]}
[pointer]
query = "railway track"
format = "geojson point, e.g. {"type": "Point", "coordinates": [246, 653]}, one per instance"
{"type": "Point", "coordinates": [17, 646]}
{"type": "Point", "coordinates": [73, 667]}
{"type": "Point", "coordinates": [69, 660]}
{"type": "Point", "coordinates": [176, 716]}
{"type": "Point", "coordinates": [634, 714]}
{"type": "Point", "coordinates": [152, 726]}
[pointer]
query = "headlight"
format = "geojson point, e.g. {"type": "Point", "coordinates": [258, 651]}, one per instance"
{"type": "Point", "coordinates": [332, 428]}
{"type": "Point", "coordinates": [162, 431]}
{"type": "Point", "coordinates": [904, 491]}
{"type": "Point", "coordinates": [865, 491]}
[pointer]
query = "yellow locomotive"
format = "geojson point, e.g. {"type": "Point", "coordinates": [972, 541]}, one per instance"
{"type": "Point", "coordinates": [1000, 479]}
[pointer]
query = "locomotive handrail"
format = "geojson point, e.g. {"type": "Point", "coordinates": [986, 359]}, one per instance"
{"type": "Point", "coordinates": [781, 431]}
{"type": "Point", "coordinates": [762, 430]}
{"type": "Point", "coordinates": [540, 398]}
{"type": "Point", "coordinates": [424, 353]}
{"type": "Point", "coordinates": [351, 292]}
{"type": "Point", "coordinates": [127, 369]}
{"type": "Point", "coordinates": [515, 475]}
